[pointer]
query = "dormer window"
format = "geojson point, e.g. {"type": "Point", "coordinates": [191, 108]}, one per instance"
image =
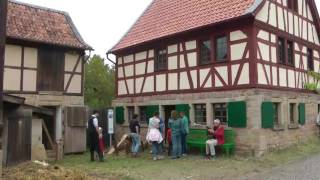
{"type": "Point", "coordinates": [293, 5]}
{"type": "Point", "coordinates": [161, 61]}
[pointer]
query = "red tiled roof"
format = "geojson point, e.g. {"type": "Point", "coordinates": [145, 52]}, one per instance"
{"type": "Point", "coordinates": [166, 17]}
{"type": "Point", "coordinates": [43, 25]}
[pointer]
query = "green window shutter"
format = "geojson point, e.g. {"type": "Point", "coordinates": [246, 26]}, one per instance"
{"type": "Point", "coordinates": [267, 115]}
{"type": "Point", "coordinates": [183, 108]}
{"type": "Point", "coordinates": [302, 113]}
{"type": "Point", "coordinates": [119, 115]}
{"type": "Point", "coordinates": [150, 110]}
{"type": "Point", "coordinates": [237, 114]}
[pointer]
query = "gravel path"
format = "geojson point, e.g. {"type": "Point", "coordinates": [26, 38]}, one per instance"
{"type": "Point", "coordinates": [305, 169]}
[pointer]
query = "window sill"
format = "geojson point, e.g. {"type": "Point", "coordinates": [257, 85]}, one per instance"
{"type": "Point", "coordinates": [293, 126]}
{"type": "Point", "coordinates": [278, 128]}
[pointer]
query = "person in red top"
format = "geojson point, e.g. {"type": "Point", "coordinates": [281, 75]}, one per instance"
{"type": "Point", "coordinates": [101, 142]}
{"type": "Point", "coordinates": [217, 133]}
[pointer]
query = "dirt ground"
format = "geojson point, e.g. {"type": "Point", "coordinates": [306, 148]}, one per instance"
{"type": "Point", "coordinates": [32, 171]}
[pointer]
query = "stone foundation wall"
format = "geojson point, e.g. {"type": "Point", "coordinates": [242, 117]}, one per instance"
{"type": "Point", "coordinates": [253, 139]}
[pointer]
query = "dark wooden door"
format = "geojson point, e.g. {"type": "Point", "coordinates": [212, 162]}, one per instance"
{"type": "Point", "coordinates": [19, 137]}
{"type": "Point", "coordinates": [51, 69]}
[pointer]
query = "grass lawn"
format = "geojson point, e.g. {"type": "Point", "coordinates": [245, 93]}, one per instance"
{"type": "Point", "coordinates": [191, 167]}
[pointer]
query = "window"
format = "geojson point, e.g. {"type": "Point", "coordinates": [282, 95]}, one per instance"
{"type": "Point", "coordinates": [200, 113]}
{"type": "Point", "coordinates": [290, 53]}
{"type": "Point", "coordinates": [51, 69]}
{"type": "Point", "coordinates": [205, 52]}
{"type": "Point", "coordinates": [310, 60]}
{"type": "Point", "coordinates": [293, 5]}
{"type": "Point", "coordinates": [161, 60]}
{"type": "Point", "coordinates": [130, 113]}
{"type": "Point", "coordinates": [281, 51]}
{"type": "Point", "coordinates": [276, 120]}
{"type": "Point", "coordinates": [221, 49]}
{"type": "Point", "coordinates": [292, 113]}
{"type": "Point", "coordinates": [143, 114]}
{"type": "Point", "coordinates": [220, 112]}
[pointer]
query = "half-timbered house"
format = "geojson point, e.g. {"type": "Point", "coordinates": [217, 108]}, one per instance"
{"type": "Point", "coordinates": [244, 62]}
{"type": "Point", "coordinates": [44, 65]}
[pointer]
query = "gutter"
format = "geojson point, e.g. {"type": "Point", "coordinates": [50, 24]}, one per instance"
{"type": "Point", "coordinates": [108, 53]}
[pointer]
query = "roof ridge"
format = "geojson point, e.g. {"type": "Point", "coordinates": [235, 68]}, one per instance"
{"type": "Point", "coordinates": [38, 7]}
{"type": "Point", "coordinates": [126, 33]}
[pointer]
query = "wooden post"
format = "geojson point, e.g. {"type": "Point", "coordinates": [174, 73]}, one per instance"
{"type": "Point", "coordinates": [3, 22]}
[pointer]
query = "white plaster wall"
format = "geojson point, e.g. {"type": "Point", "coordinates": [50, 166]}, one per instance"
{"type": "Point", "coordinates": [173, 62]}
{"type": "Point", "coordinates": [275, 76]}
{"type": "Point", "coordinates": [120, 72]}
{"type": "Point", "coordinates": [237, 51]}
{"type": "Point", "coordinates": [184, 82]}
{"type": "Point", "coordinates": [262, 79]}
{"type": "Point", "coordinates": [283, 77]}
{"type": "Point", "coordinates": [265, 51]}
{"type": "Point", "coordinates": [122, 90]}
{"type": "Point", "coordinates": [128, 59]}
{"type": "Point", "coordinates": [244, 77]}
{"type": "Point", "coordinates": [13, 55]}
{"type": "Point", "coordinates": [140, 68]}
{"type": "Point", "coordinates": [11, 80]}
{"type": "Point", "coordinates": [223, 71]}
{"type": "Point", "coordinates": [149, 84]}
{"type": "Point", "coordinates": [161, 82]}
{"type": "Point", "coordinates": [173, 48]}
{"type": "Point", "coordinates": [141, 55]}
{"type": "Point", "coordinates": [30, 57]}
{"type": "Point", "coordinates": [129, 70]}
{"type": "Point", "coordinates": [263, 35]}
{"type": "Point", "coordinates": [150, 67]}
{"type": "Point", "coordinates": [130, 84]}
{"type": "Point", "coordinates": [291, 79]}
{"type": "Point", "coordinates": [234, 69]}
{"type": "Point", "coordinates": [139, 82]}
{"type": "Point", "coordinates": [173, 81]}
{"type": "Point", "coordinates": [203, 74]}
{"type": "Point", "coordinates": [75, 84]}
{"type": "Point", "coordinates": [71, 61]}
{"type": "Point", "coordinates": [237, 35]}
{"type": "Point", "coordinates": [29, 80]}
{"type": "Point", "coordinates": [194, 76]}
{"type": "Point", "coordinates": [192, 59]}
{"type": "Point", "coordinates": [190, 45]}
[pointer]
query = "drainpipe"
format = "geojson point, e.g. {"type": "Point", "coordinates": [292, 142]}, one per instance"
{"type": "Point", "coordinates": [110, 59]}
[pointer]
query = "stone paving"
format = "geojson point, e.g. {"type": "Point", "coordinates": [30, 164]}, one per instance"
{"type": "Point", "coordinates": [305, 169]}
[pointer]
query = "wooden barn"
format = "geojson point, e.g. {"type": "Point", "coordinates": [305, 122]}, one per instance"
{"type": "Point", "coordinates": [244, 62]}
{"type": "Point", "coordinates": [44, 66]}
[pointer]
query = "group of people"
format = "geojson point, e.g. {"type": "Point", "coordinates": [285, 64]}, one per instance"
{"type": "Point", "coordinates": [176, 136]}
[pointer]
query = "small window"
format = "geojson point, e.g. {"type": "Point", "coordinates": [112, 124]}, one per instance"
{"type": "Point", "coordinates": [281, 51]}
{"type": "Point", "coordinates": [130, 112]}
{"type": "Point", "coordinates": [220, 112]}
{"type": "Point", "coordinates": [200, 113]}
{"type": "Point", "coordinates": [221, 49]}
{"type": "Point", "coordinates": [161, 60]}
{"type": "Point", "coordinates": [276, 119]}
{"type": "Point", "coordinates": [310, 60]}
{"type": "Point", "coordinates": [290, 53]}
{"type": "Point", "coordinates": [143, 114]}
{"type": "Point", "coordinates": [205, 51]}
{"type": "Point", "coordinates": [293, 5]}
{"type": "Point", "coordinates": [292, 113]}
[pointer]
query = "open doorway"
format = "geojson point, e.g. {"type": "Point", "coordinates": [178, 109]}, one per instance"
{"type": "Point", "coordinates": [49, 128]}
{"type": "Point", "coordinates": [167, 115]}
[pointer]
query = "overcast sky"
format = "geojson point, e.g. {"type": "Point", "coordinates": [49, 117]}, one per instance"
{"type": "Point", "coordinates": [101, 22]}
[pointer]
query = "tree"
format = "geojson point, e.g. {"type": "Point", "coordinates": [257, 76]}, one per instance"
{"type": "Point", "coordinates": [99, 89]}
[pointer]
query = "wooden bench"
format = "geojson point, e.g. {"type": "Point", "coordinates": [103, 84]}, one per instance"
{"type": "Point", "coordinates": [197, 139]}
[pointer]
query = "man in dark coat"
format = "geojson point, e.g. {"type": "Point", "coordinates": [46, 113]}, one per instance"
{"type": "Point", "coordinates": [93, 132]}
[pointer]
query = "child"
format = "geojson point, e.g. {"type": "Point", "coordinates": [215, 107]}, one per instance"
{"type": "Point", "coordinates": [169, 140]}
{"type": "Point", "coordinates": [101, 142]}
